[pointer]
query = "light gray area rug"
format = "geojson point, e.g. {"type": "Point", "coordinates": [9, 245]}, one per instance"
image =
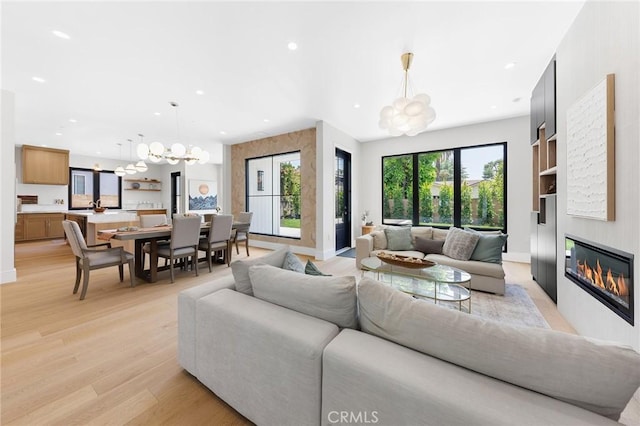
{"type": "Point", "coordinates": [515, 307]}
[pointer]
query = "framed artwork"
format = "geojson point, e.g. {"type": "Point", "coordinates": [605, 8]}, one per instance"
{"type": "Point", "coordinates": [591, 154]}
{"type": "Point", "coordinates": [260, 180]}
{"type": "Point", "coordinates": [203, 194]}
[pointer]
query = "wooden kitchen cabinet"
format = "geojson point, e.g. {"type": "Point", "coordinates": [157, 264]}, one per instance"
{"type": "Point", "coordinates": [42, 226]}
{"type": "Point", "coordinates": [19, 232]}
{"type": "Point", "coordinates": [47, 166]}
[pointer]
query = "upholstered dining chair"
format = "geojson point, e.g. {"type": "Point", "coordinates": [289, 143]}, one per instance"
{"type": "Point", "coordinates": [242, 230]}
{"type": "Point", "coordinates": [185, 235]}
{"type": "Point", "coordinates": [149, 221]}
{"type": "Point", "coordinates": [219, 237]}
{"type": "Point", "coordinates": [90, 257]}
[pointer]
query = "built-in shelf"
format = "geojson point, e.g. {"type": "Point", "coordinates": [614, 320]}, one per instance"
{"type": "Point", "coordinates": [143, 185]}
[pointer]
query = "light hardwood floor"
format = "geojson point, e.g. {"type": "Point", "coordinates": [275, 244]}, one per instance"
{"type": "Point", "coordinates": [111, 359]}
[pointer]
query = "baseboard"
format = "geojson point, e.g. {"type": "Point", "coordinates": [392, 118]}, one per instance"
{"type": "Point", "coordinates": [517, 257]}
{"type": "Point", "coordinates": [307, 251]}
{"type": "Point", "coordinates": [8, 276]}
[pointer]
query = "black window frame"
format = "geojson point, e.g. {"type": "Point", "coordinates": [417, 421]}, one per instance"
{"type": "Point", "coordinates": [246, 189]}
{"type": "Point", "coordinates": [457, 183]}
{"type": "Point", "coordinates": [96, 187]}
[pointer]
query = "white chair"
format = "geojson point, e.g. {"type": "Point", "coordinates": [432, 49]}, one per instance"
{"type": "Point", "coordinates": [89, 258]}
{"type": "Point", "coordinates": [242, 230]}
{"type": "Point", "coordinates": [219, 237]}
{"type": "Point", "coordinates": [185, 235]}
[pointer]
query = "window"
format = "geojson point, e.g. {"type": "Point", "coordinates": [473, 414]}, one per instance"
{"type": "Point", "coordinates": [273, 194]}
{"type": "Point", "coordinates": [88, 186]}
{"type": "Point", "coordinates": [459, 187]}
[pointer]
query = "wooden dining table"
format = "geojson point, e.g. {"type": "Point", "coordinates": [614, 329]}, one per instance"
{"type": "Point", "coordinates": [141, 236]}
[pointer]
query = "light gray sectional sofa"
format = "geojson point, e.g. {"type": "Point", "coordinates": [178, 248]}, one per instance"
{"type": "Point", "coordinates": [485, 276]}
{"type": "Point", "coordinates": [306, 351]}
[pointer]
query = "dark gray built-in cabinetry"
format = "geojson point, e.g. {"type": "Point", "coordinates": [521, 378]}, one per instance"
{"type": "Point", "coordinates": [543, 215]}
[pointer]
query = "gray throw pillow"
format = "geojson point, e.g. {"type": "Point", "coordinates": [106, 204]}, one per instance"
{"type": "Point", "coordinates": [459, 244]}
{"type": "Point", "coordinates": [489, 247]}
{"type": "Point", "coordinates": [428, 246]}
{"type": "Point", "coordinates": [240, 268]}
{"type": "Point", "coordinates": [332, 299]}
{"type": "Point", "coordinates": [398, 238]}
{"type": "Point", "coordinates": [311, 269]}
{"type": "Point", "coordinates": [292, 263]}
{"type": "Point", "coordinates": [563, 366]}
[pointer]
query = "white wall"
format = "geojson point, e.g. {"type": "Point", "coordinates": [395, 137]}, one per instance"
{"type": "Point", "coordinates": [514, 131]}
{"type": "Point", "coordinates": [8, 175]}
{"type": "Point", "coordinates": [605, 38]}
{"type": "Point", "coordinates": [328, 138]}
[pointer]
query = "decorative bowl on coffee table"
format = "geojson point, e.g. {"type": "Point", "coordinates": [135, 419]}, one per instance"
{"type": "Point", "coordinates": [404, 261]}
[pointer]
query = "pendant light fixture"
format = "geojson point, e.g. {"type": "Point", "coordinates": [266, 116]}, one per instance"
{"type": "Point", "coordinates": [408, 116]}
{"type": "Point", "coordinates": [131, 168]}
{"type": "Point", "coordinates": [141, 166]}
{"type": "Point", "coordinates": [156, 152]}
{"type": "Point", "coordinates": [119, 171]}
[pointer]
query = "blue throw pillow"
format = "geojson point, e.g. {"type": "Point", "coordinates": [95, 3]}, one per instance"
{"type": "Point", "coordinates": [398, 238]}
{"type": "Point", "coordinates": [489, 247]}
{"type": "Point", "coordinates": [292, 263]}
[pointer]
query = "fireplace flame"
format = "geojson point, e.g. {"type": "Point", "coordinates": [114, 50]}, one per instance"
{"type": "Point", "coordinates": [595, 276]}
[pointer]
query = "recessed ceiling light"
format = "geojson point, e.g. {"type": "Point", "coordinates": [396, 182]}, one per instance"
{"type": "Point", "coordinates": [58, 134]}
{"type": "Point", "coordinates": [493, 107]}
{"type": "Point", "coordinates": [222, 132]}
{"type": "Point", "coordinates": [292, 45]}
{"type": "Point", "coordinates": [199, 92]}
{"type": "Point", "coordinates": [266, 120]}
{"type": "Point", "coordinates": [60, 34]}
{"type": "Point", "coordinates": [509, 65]}
{"type": "Point", "coordinates": [38, 79]}
{"type": "Point", "coordinates": [73, 120]}
{"type": "Point", "coordinates": [98, 152]}
{"type": "Point", "coordinates": [356, 106]}
{"type": "Point", "coordinates": [156, 113]}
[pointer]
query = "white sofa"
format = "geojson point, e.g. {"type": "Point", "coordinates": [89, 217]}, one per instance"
{"type": "Point", "coordinates": [275, 365]}
{"type": "Point", "coordinates": [485, 276]}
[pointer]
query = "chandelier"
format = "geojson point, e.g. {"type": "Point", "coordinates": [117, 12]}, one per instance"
{"type": "Point", "coordinates": [407, 116]}
{"type": "Point", "coordinates": [156, 152]}
{"type": "Point", "coordinates": [120, 171]}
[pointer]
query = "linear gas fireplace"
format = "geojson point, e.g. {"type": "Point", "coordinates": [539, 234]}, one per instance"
{"type": "Point", "coordinates": [604, 272]}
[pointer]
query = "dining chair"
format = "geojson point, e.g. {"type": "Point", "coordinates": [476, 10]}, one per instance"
{"type": "Point", "coordinates": [90, 257]}
{"type": "Point", "coordinates": [219, 237]}
{"type": "Point", "coordinates": [185, 235]}
{"type": "Point", "coordinates": [149, 221]}
{"type": "Point", "coordinates": [242, 230]}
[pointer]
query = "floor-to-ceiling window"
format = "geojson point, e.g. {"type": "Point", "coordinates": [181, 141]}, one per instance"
{"type": "Point", "coordinates": [273, 194]}
{"type": "Point", "coordinates": [459, 187]}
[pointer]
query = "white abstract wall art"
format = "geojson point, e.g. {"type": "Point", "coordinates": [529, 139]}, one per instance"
{"type": "Point", "coordinates": [591, 154]}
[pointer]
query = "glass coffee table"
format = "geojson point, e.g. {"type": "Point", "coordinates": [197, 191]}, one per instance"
{"type": "Point", "coordinates": [439, 283]}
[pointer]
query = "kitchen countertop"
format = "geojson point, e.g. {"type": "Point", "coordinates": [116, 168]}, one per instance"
{"type": "Point", "coordinates": [86, 212]}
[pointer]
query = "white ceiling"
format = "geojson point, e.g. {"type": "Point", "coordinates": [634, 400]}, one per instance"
{"type": "Point", "coordinates": [126, 61]}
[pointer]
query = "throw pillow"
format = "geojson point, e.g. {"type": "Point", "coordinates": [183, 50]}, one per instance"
{"type": "Point", "coordinates": [459, 244]}
{"type": "Point", "coordinates": [379, 240]}
{"type": "Point", "coordinates": [428, 246]}
{"type": "Point", "coordinates": [421, 231]}
{"type": "Point", "coordinates": [312, 269]}
{"type": "Point", "coordinates": [398, 238]}
{"type": "Point", "coordinates": [489, 247]}
{"type": "Point", "coordinates": [240, 268]}
{"type": "Point", "coordinates": [332, 299]}
{"type": "Point", "coordinates": [292, 263]}
{"type": "Point", "coordinates": [563, 366]}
